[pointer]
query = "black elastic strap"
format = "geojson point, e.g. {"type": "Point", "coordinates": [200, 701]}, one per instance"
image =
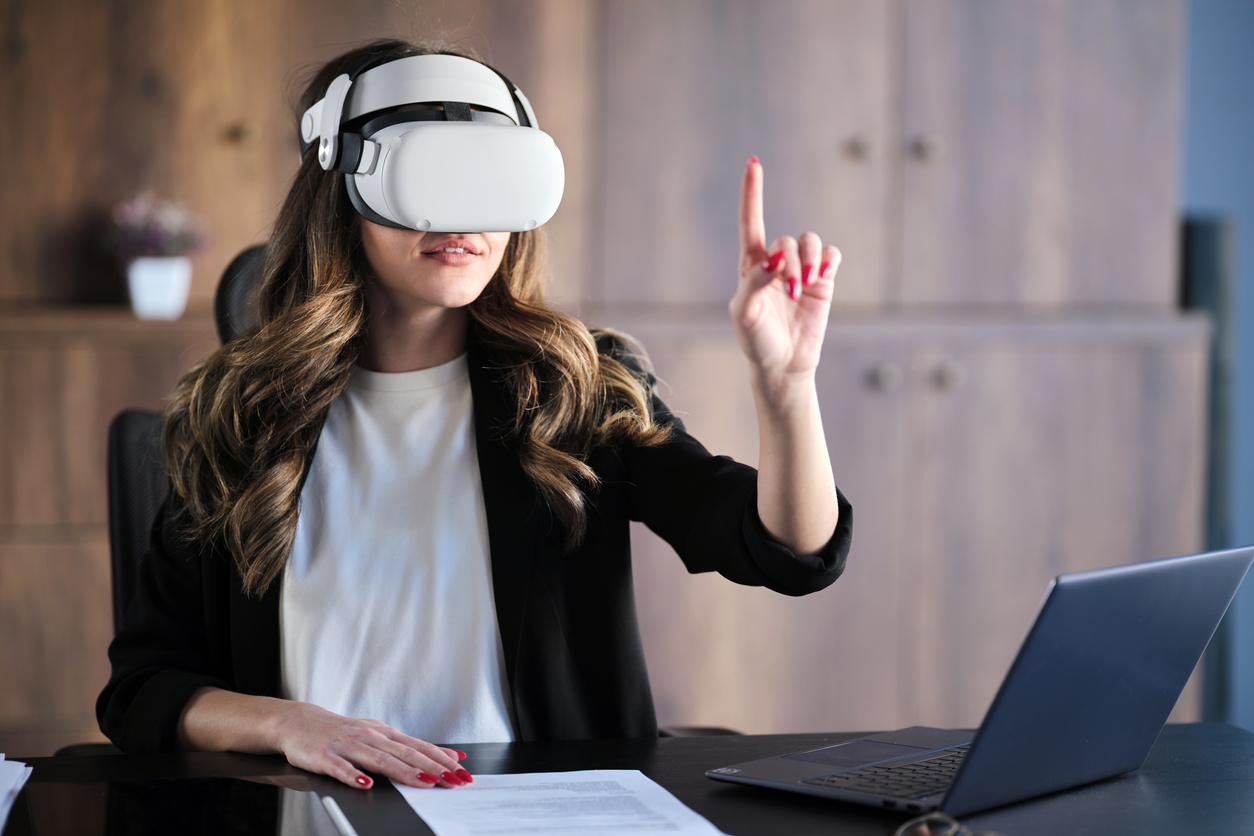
{"type": "Point", "coordinates": [456, 111]}
{"type": "Point", "coordinates": [387, 120]}
{"type": "Point", "coordinates": [350, 153]}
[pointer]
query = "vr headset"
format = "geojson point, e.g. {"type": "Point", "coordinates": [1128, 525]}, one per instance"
{"type": "Point", "coordinates": [479, 165]}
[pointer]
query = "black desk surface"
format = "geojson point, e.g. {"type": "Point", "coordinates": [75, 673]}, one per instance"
{"type": "Point", "coordinates": [1198, 779]}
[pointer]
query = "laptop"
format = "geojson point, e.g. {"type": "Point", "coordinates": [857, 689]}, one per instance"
{"type": "Point", "coordinates": [1086, 697]}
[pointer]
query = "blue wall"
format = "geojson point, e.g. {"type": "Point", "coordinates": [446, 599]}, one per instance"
{"type": "Point", "coordinates": [1219, 179]}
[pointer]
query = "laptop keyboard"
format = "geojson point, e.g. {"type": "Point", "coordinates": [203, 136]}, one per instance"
{"type": "Point", "coordinates": [918, 779]}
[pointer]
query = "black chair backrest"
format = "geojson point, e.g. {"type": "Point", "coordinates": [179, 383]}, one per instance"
{"type": "Point", "coordinates": [235, 303]}
{"type": "Point", "coordinates": [137, 486]}
{"type": "Point", "coordinates": [138, 482]}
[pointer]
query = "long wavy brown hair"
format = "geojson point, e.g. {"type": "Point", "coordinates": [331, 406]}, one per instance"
{"type": "Point", "coordinates": [241, 426]}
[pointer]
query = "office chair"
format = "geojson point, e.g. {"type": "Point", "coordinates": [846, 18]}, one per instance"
{"type": "Point", "coordinates": [235, 303]}
{"type": "Point", "coordinates": [137, 486]}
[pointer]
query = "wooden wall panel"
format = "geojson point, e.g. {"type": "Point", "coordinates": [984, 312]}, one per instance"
{"type": "Point", "coordinates": [56, 619]}
{"type": "Point", "coordinates": [1048, 170]}
{"type": "Point", "coordinates": [62, 379]}
{"type": "Point", "coordinates": [118, 97]}
{"type": "Point", "coordinates": [690, 91]}
{"type": "Point", "coordinates": [190, 100]}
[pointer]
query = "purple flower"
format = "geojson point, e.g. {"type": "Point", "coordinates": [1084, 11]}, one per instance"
{"type": "Point", "coordinates": [147, 226]}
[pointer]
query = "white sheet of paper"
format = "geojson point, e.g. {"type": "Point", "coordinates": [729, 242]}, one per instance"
{"type": "Point", "coordinates": [13, 776]}
{"type": "Point", "coordinates": [621, 802]}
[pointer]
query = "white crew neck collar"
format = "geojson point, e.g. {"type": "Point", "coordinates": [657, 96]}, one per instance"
{"type": "Point", "coordinates": [414, 381]}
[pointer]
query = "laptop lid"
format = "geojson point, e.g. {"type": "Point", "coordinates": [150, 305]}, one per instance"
{"type": "Point", "coordinates": [1094, 681]}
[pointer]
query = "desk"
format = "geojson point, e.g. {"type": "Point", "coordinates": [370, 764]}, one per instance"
{"type": "Point", "coordinates": [1198, 779]}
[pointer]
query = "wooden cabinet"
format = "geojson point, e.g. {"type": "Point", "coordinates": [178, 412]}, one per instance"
{"type": "Point", "coordinates": [64, 374]}
{"type": "Point", "coordinates": [691, 90]}
{"type": "Point", "coordinates": [191, 101]}
{"type": "Point", "coordinates": [982, 458]}
{"type": "Point", "coordinates": [959, 152]}
{"type": "Point", "coordinates": [1039, 151]}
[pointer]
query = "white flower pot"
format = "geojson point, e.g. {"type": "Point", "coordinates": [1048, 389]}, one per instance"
{"type": "Point", "coordinates": [159, 286]}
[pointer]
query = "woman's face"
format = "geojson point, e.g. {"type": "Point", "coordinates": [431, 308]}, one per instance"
{"type": "Point", "coordinates": [417, 270]}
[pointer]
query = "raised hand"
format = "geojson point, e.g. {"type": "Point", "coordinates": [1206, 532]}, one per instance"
{"type": "Point", "coordinates": [780, 312]}
{"type": "Point", "coordinates": [785, 292]}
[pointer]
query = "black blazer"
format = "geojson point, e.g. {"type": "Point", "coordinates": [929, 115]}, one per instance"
{"type": "Point", "coordinates": [573, 655]}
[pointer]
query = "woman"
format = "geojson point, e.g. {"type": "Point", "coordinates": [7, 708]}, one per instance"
{"type": "Point", "coordinates": [454, 564]}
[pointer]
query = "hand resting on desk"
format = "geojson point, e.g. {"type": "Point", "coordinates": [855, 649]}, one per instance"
{"type": "Point", "coordinates": [312, 738]}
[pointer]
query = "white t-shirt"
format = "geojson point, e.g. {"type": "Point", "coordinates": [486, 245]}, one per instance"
{"type": "Point", "coordinates": [387, 609]}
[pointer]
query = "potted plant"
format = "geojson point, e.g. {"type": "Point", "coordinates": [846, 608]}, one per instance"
{"type": "Point", "coordinates": [154, 239]}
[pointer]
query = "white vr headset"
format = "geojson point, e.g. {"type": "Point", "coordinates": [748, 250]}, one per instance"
{"type": "Point", "coordinates": [479, 165]}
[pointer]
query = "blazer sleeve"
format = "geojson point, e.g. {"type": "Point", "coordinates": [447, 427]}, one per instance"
{"type": "Point", "coordinates": [706, 508]}
{"type": "Point", "coordinates": [163, 653]}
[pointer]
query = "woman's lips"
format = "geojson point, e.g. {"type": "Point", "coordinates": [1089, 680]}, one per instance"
{"type": "Point", "coordinates": [454, 259]}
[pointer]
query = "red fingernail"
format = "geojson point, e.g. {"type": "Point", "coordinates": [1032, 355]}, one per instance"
{"type": "Point", "coordinates": [806, 270]}
{"type": "Point", "coordinates": [823, 269]}
{"type": "Point", "coordinates": [793, 288]}
{"type": "Point", "coordinates": [364, 781]}
{"type": "Point", "coordinates": [461, 756]}
{"type": "Point", "coordinates": [450, 778]}
{"type": "Point", "coordinates": [753, 161]}
{"type": "Point", "coordinates": [772, 262]}
{"type": "Point", "coordinates": [465, 776]}
{"type": "Point", "coordinates": [428, 779]}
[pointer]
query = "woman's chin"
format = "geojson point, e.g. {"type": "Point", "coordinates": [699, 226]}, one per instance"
{"type": "Point", "coordinates": [454, 296]}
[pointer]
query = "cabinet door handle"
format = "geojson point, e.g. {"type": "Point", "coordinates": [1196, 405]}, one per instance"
{"type": "Point", "coordinates": [885, 376]}
{"type": "Point", "coordinates": [857, 148]}
{"type": "Point", "coordinates": [949, 376]}
{"type": "Point", "coordinates": [927, 148]}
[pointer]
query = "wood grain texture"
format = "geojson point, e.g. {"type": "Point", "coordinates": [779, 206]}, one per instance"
{"type": "Point", "coordinates": [1051, 174]}
{"type": "Point", "coordinates": [967, 500]}
{"type": "Point", "coordinates": [118, 97]}
{"type": "Point", "coordinates": [690, 91]}
{"type": "Point", "coordinates": [57, 620]}
{"type": "Point", "coordinates": [108, 99]}
{"type": "Point", "coordinates": [58, 392]}
{"type": "Point", "coordinates": [1048, 459]}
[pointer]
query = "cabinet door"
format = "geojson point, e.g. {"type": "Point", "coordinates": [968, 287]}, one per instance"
{"type": "Point", "coordinates": [982, 460]}
{"type": "Point", "coordinates": [744, 657]}
{"type": "Point", "coordinates": [1041, 151]}
{"type": "Point", "coordinates": [1032, 454]}
{"type": "Point", "coordinates": [690, 91]}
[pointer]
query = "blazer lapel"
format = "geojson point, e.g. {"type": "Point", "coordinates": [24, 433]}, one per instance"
{"type": "Point", "coordinates": [510, 501]}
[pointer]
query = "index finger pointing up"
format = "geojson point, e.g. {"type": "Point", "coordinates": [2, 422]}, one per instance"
{"type": "Point", "coordinates": [752, 228]}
